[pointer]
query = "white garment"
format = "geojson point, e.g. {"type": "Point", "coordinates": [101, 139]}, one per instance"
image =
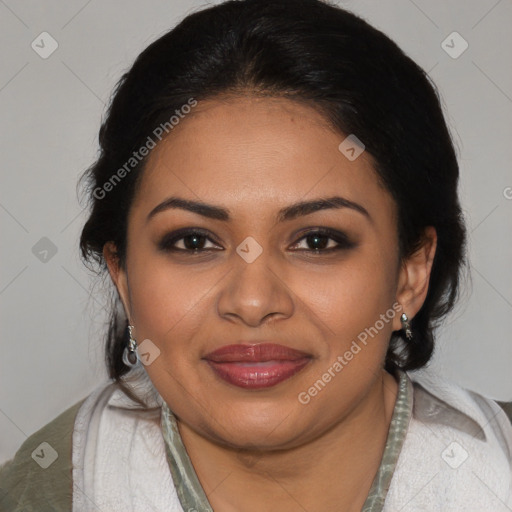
{"type": "Point", "coordinates": [457, 455]}
{"type": "Point", "coordinates": [119, 459]}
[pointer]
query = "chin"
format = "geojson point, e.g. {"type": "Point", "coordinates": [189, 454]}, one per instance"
{"type": "Point", "coordinates": [262, 427]}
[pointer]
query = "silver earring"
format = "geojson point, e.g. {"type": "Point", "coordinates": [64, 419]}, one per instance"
{"type": "Point", "coordinates": [406, 326]}
{"type": "Point", "coordinates": [130, 354]}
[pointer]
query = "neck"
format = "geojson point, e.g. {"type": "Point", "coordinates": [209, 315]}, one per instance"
{"type": "Point", "coordinates": [336, 467]}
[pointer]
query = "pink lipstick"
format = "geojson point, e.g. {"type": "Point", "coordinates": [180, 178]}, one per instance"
{"type": "Point", "coordinates": [256, 366]}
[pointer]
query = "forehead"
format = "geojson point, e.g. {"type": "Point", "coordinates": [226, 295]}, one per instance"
{"type": "Point", "coordinates": [253, 151]}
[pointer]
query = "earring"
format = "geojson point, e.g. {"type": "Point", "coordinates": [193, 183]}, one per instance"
{"type": "Point", "coordinates": [406, 326]}
{"type": "Point", "coordinates": [130, 354]}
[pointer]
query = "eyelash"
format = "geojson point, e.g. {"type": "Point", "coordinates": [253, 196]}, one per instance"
{"type": "Point", "coordinates": [166, 244]}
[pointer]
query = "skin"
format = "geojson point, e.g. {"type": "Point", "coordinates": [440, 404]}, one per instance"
{"type": "Point", "coordinates": [262, 449]}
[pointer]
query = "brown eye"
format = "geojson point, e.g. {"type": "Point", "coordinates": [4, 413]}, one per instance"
{"type": "Point", "coordinates": [190, 240]}
{"type": "Point", "coordinates": [325, 240]}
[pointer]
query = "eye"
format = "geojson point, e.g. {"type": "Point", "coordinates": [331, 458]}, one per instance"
{"type": "Point", "coordinates": [323, 240]}
{"type": "Point", "coordinates": [186, 240]}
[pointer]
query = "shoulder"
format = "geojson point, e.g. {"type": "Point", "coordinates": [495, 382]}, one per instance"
{"type": "Point", "coordinates": [482, 420]}
{"type": "Point", "coordinates": [457, 453]}
{"type": "Point", "coordinates": [41, 470]}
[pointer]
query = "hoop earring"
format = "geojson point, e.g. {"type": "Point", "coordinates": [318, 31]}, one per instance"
{"type": "Point", "coordinates": [130, 354]}
{"type": "Point", "coordinates": [406, 326]}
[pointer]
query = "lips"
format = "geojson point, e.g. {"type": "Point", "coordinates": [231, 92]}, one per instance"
{"type": "Point", "coordinates": [256, 366]}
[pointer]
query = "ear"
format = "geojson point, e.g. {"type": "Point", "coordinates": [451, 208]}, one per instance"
{"type": "Point", "coordinates": [414, 276]}
{"type": "Point", "coordinates": [118, 275]}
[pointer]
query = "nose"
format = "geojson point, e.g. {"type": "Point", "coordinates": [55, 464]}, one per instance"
{"type": "Point", "coordinates": [256, 292]}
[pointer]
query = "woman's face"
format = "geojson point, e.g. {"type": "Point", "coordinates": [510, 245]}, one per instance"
{"type": "Point", "coordinates": [261, 273]}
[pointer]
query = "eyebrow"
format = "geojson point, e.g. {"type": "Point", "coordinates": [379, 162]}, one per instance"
{"type": "Point", "coordinates": [291, 212]}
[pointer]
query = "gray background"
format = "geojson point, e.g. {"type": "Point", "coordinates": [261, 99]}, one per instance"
{"type": "Point", "coordinates": [52, 314]}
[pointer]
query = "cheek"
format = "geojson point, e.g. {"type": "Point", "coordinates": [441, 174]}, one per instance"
{"type": "Point", "coordinates": [354, 306]}
{"type": "Point", "coordinates": [163, 299]}
{"type": "Point", "coordinates": [349, 300]}
{"type": "Point", "coordinates": [168, 306]}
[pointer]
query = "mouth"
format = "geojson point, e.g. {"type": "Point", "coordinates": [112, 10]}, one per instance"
{"type": "Point", "coordinates": [256, 366]}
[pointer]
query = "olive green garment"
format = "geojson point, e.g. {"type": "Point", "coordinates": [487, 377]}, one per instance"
{"type": "Point", "coordinates": [26, 485]}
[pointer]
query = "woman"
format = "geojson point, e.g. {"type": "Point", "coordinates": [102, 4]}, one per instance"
{"type": "Point", "coordinates": [276, 204]}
